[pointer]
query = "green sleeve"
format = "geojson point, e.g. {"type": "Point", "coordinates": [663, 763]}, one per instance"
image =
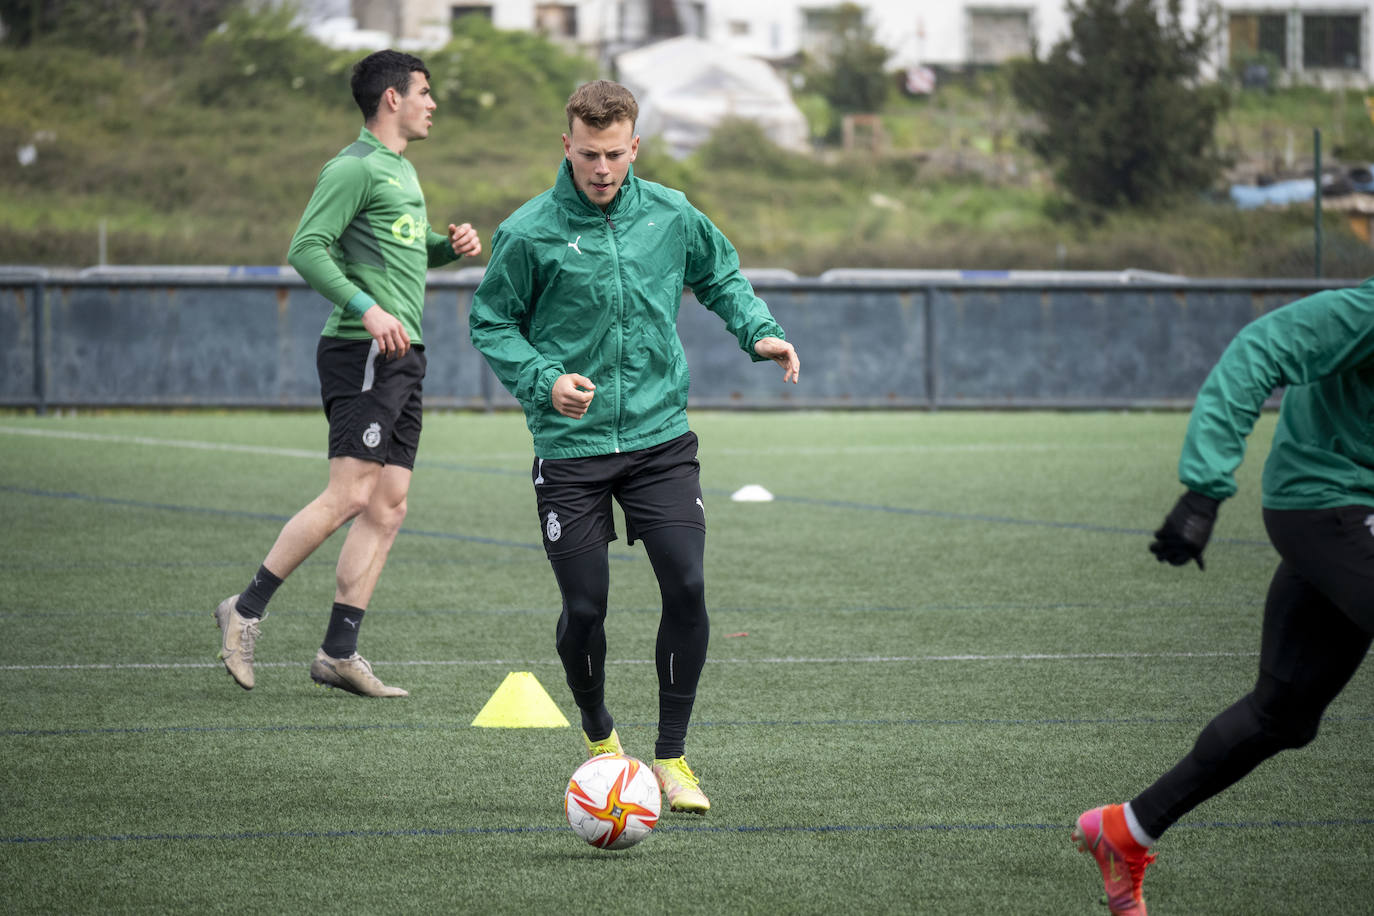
{"type": "Point", "coordinates": [501, 309]}
{"type": "Point", "coordinates": [440, 249]}
{"type": "Point", "coordinates": [338, 197]}
{"type": "Point", "coordinates": [713, 274]}
{"type": "Point", "coordinates": [1321, 335]}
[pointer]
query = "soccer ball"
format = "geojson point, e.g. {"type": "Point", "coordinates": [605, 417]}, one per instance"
{"type": "Point", "coordinates": [612, 801]}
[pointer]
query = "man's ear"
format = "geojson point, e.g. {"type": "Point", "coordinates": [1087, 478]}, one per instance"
{"type": "Point", "coordinates": [391, 98]}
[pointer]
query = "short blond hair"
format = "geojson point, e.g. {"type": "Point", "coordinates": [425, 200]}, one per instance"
{"type": "Point", "coordinates": [600, 104]}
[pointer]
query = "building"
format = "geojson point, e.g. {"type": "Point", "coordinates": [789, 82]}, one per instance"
{"type": "Point", "coordinates": [1325, 42]}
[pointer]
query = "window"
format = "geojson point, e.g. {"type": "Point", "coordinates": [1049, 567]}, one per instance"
{"type": "Point", "coordinates": [997, 35]}
{"type": "Point", "coordinates": [1251, 35]}
{"type": "Point", "coordinates": [556, 20]}
{"type": "Point", "coordinates": [663, 19]}
{"type": "Point", "coordinates": [1331, 42]}
{"type": "Point", "coordinates": [739, 28]}
{"type": "Point", "coordinates": [458, 11]}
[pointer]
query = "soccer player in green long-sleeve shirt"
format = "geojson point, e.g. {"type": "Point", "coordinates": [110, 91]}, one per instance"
{"type": "Point", "coordinates": [365, 244]}
{"type": "Point", "coordinates": [1318, 496]}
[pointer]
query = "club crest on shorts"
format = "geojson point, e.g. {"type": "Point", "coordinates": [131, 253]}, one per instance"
{"type": "Point", "coordinates": [1369, 521]}
{"type": "Point", "coordinates": [372, 436]}
{"type": "Point", "coordinates": [553, 529]}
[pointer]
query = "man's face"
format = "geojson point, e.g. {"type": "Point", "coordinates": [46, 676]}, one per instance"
{"type": "Point", "coordinates": [600, 158]}
{"type": "Point", "coordinates": [415, 109]}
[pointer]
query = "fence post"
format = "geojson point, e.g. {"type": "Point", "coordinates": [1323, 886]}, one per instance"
{"type": "Point", "coordinates": [1317, 199]}
{"type": "Point", "coordinates": [40, 354]}
{"type": "Point", "coordinates": [932, 352]}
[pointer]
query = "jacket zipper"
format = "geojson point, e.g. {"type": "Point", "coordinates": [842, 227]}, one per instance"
{"type": "Point", "coordinates": [620, 334]}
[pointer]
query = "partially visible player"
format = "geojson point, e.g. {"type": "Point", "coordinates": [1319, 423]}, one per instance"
{"type": "Point", "coordinates": [577, 316]}
{"type": "Point", "coordinates": [1318, 495]}
{"type": "Point", "coordinates": [364, 243]}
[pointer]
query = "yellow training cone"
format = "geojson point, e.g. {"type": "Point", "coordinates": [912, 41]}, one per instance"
{"type": "Point", "coordinates": [520, 702]}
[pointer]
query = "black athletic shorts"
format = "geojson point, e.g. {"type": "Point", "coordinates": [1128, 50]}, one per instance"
{"type": "Point", "coordinates": [373, 403]}
{"type": "Point", "coordinates": [1329, 552]}
{"type": "Point", "coordinates": [657, 487]}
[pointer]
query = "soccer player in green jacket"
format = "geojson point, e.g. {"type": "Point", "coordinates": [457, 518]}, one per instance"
{"type": "Point", "coordinates": [365, 244]}
{"type": "Point", "coordinates": [577, 316]}
{"type": "Point", "coordinates": [1318, 496]}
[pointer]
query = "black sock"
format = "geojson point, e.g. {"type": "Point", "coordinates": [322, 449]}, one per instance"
{"type": "Point", "coordinates": [597, 722]}
{"type": "Point", "coordinates": [341, 639]}
{"type": "Point", "coordinates": [253, 600]}
{"type": "Point", "coordinates": [674, 712]}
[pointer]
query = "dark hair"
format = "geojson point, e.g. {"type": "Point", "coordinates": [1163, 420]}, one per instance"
{"type": "Point", "coordinates": [376, 73]}
{"type": "Point", "coordinates": [602, 103]}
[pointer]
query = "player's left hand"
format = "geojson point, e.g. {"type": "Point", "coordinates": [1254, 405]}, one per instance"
{"type": "Point", "coordinates": [782, 353]}
{"type": "Point", "coordinates": [464, 240]}
{"type": "Point", "coordinates": [1186, 530]}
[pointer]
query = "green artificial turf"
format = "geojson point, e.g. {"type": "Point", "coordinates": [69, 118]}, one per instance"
{"type": "Point", "coordinates": [941, 641]}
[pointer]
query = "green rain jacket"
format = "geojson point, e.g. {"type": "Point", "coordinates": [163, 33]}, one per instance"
{"type": "Point", "coordinates": [1322, 348]}
{"type": "Point", "coordinates": [570, 288]}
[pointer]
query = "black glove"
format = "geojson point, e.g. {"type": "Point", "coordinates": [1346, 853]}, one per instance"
{"type": "Point", "coordinates": [1186, 530]}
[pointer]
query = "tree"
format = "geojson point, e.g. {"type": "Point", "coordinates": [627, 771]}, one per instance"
{"type": "Point", "coordinates": [1125, 117]}
{"type": "Point", "coordinates": [848, 66]}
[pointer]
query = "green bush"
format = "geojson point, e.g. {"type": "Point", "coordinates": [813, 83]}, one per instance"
{"type": "Point", "coordinates": [742, 146]}
{"type": "Point", "coordinates": [488, 75]}
{"type": "Point", "coordinates": [123, 27]}
{"type": "Point", "coordinates": [255, 54]}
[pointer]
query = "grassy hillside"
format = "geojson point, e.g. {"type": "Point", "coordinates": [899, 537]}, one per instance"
{"type": "Point", "coordinates": [210, 158]}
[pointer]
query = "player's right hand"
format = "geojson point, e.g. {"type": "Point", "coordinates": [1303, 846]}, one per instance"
{"type": "Point", "coordinates": [1186, 530]}
{"type": "Point", "coordinates": [572, 395]}
{"type": "Point", "coordinates": [387, 330]}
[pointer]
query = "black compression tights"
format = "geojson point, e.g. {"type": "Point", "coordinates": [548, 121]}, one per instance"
{"type": "Point", "coordinates": [683, 631]}
{"type": "Point", "coordinates": [1308, 652]}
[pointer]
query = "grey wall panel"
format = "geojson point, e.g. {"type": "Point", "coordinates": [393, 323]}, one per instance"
{"type": "Point", "coordinates": [17, 310]}
{"type": "Point", "coordinates": [218, 337]}
{"type": "Point", "coordinates": [1094, 346]}
{"type": "Point", "coordinates": [857, 348]}
{"type": "Point", "coordinates": [132, 345]}
{"type": "Point", "coordinates": [457, 375]}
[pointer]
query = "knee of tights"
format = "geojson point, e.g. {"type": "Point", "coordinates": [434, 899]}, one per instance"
{"type": "Point", "coordinates": [1288, 723]}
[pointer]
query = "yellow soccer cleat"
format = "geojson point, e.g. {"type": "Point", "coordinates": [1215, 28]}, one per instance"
{"type": "Point", "coordinates": [607, 745]}
{"type": "Point", "coordinates": [680, 784]}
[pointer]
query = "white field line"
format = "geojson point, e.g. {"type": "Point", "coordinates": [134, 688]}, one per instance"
{"type": "Point", "coordinates": [918, 448]}
{"type": "Point", "coordinates": [162, 443]}
{"type": "Point", "coordinates": [781, 660]}
{"type": "Point", "coordinates": [793, 450]}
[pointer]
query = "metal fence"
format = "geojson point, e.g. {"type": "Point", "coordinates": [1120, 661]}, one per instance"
{"type": "Point", "coordinates": [244, 337]}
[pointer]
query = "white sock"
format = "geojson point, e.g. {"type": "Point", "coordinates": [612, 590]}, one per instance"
{"type": "Point", "coordinates": [1137, 831]}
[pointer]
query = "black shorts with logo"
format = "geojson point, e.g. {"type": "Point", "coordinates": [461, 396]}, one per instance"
{"type": "Point", "coordinates": [373, 403]}
{"type": "Point", "coordinates": [657, 487]}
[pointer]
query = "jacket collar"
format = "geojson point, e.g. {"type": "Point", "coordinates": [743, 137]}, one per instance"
{"type": "Point", "coordinates": [570, 196]}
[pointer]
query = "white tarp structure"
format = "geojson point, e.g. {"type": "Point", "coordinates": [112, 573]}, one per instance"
{"type": "Point", "coordinates": [685, 87]}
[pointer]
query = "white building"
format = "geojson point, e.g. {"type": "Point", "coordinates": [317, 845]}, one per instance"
{"type": "Point", "coordinates": [1324, 41]}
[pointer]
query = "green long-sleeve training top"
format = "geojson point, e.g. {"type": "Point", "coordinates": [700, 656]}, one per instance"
{"type": "Point", "coordinates": [364, 239]}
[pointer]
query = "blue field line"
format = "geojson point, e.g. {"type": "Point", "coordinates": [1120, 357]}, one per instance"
{"type": "Point", "coordinates": [272, 517]}
{"type": "Point", "coordinates": [736, 609]}
{"type": "Point", "coordinates": [796, 500]}
{"type": "Point", "coordinates": [262, 516]}
{"type": "Point", "coordinates": [709, 723]}
{"type": "Point", "coordinates": [441, 832]}
{"type": "Point", "coordinates": [995, 519]}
